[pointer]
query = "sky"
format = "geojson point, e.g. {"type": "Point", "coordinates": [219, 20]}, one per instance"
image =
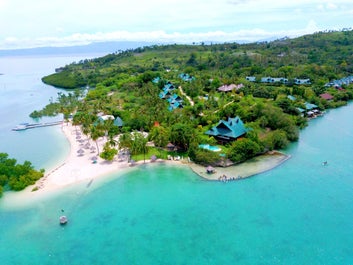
{"type": "Point", "coordinates": [38, 23]}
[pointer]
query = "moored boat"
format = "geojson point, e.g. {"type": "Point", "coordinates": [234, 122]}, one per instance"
{"type": "Point", "coordinates": [63, 220]}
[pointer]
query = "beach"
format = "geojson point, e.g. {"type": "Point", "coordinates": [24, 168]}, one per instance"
{"type": "Point", "coordinates": [252, 167]}
{"type": "Point", "coordinates": [83, 165]}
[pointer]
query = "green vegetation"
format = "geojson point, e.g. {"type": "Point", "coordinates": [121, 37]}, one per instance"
{"type": "Point", "coordinates": [121, 85]}
{"type": "Point", "coordinates": [14, 176]}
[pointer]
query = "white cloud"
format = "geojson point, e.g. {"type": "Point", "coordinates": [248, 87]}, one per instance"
{"type": "Point", "coordinates": [157, 37]}
{"type": "Point", "coordinates": [331, 6]}
{"type": "Point", "coordinates": [67, 22]}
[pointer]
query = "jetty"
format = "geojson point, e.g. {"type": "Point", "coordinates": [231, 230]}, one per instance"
{"type": "Point", "coordinates": [25, 126]}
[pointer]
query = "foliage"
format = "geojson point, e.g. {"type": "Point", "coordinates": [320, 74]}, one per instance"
{"type": "Point", "coordinates": [17, 176]}
{"type": "Point", "coordinates": [181, 135]}
{"type": "Point", "coordinates": [121, 84]}
{"type": "Point", "coordinates": [108, 152]}
{"type": "Point", "coordinates": [205, 157]}
{"type": "Point", "coordinates": [65, 79]}
{"type": "Point", "coordinates": [243, 149]}
{"type": "Point", "coordinates": [159, 135]}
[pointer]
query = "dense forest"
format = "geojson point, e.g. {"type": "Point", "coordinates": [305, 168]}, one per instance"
{"type": "Point", "coordinates": [312, 70]}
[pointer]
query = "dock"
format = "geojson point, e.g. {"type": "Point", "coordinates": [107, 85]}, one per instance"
{"type": "Point", "coordinates": [25, 126]}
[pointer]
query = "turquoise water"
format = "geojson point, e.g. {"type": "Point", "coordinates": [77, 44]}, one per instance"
{"type": "Point", "coordinates": [210, 147]}
{"type": "Point", "coordinates": [298, 213]}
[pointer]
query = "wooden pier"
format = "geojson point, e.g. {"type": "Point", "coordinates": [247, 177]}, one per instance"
{"type": "Point", "coordinates": [25, 126]}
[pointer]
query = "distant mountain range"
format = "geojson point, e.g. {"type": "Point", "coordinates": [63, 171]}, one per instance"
{"type": "Point", "coordinates": [97, 47]}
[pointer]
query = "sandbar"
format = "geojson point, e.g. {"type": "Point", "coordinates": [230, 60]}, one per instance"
{"type": "Point", "coordinates": [252, 167]}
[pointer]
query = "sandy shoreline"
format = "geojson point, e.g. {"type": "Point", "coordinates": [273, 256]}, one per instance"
{"type": "Point", "coordinates": [252, 167]}
{"type": "Point", "coordinates": [79, 167]}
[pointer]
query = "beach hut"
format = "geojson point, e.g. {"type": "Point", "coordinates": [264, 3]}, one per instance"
{"type": "Point", "coordinates": [210, 170]}
{"type": "Point", "coordinates": [170, 147]}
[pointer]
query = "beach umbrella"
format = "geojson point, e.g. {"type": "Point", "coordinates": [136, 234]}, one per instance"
{"type": "Point", "coordinates": [80, 151]}
{"type": "Point", "coordinates": [94, 158]}
{"type": "Point", "coordinates": [153, 158]}
{"type": "Point", "coordinates": [78, 137]}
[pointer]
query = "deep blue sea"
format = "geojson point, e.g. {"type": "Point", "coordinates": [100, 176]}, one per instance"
{"type": "Point", "coordinates": [299, 213]}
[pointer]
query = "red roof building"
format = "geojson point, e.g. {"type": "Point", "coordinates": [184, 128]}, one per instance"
{"type": "Point", "coordinates": [326, 96]}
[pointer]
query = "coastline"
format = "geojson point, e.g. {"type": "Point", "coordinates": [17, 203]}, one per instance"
{"type": "Point", "coordinates": [80, 168]}
{"type": "Point", "coordinates": [252, 167]}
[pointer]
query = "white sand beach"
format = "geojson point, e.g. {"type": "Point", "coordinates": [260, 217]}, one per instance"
{"type": "Point", "coordinates": [80, 167]}
{"type": "Point", "coordinates": [83, 162]}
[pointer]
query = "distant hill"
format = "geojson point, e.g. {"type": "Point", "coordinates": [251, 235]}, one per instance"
{"type": "Point", "coordinates": [98, 47]}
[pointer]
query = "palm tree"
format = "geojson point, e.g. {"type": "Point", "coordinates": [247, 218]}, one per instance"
{"type": "Point", "coordinates": [95, 133]}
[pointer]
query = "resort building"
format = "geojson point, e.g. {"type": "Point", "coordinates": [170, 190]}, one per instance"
{"type": "Point", "coordinates": [292, 98]}
{"type": "Point", "coordinates": [227, 131]}
{"type": "Point", "coordinates": [251, 78]}
{"type": "Point", "coordinates": [229, 88]}
{"type": "Point", "coordinates": [168, 93]}
{"type": "Point", "coordinates": [311, 110]}
{"type": "Point", "coordinates": [118, 122]}
{"type": "Point", "coordinates": [186, 77]}
{"type": "Point", "coordinates": [338, 83]}
{"type": "Point", "coordinates": [326, 96]}
{"type": "Point", "coordinates": [274, 80]}
{"type": "Point", "coordinates": [156, 80]}
{"type": "Point", "coordinates": [302, 81]}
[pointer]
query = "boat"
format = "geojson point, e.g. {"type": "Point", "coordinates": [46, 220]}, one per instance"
{"type": "Point", "coordinates": [21, 126]}
{"type": "Point", "coordinates": [63, 220]}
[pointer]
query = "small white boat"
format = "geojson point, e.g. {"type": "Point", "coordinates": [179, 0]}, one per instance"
{"type": "Point", "coordinates": [63, 220]}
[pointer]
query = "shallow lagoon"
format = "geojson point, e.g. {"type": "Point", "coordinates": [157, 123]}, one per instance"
{"type": "Point", "coordinates": [298, 213]}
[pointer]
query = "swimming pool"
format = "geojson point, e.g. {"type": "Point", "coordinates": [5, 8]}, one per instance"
{"type": "Point", "coordinates": [210, 147]}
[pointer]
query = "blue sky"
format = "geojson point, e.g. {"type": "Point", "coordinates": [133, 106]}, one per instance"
{"type": "Point", "coordinates": [73, 22]}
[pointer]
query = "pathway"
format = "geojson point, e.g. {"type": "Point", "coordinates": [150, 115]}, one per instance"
{"type": "Point", "coordinates": [188, 98]}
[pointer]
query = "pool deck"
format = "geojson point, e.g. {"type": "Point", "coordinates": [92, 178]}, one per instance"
{"type": "Point", "coordinates": [254, 166]}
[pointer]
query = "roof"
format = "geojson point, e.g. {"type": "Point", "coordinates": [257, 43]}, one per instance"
{"type": "Point", "coordinates": [310, 106]}
{"type": "Point", "coordinates": [291, 97]}
{"type": "Point", "coordinates": [302, 81]}
{"type": "Point", "coordinates": [186, 77]}
{"type": "Point", "coordinates": [301, 110]}
{"type": "Point", "coordinates": [106, 117]}
{"type": "Point", "coordinates": [326, 96]}
{"type": "Point", "coordinates": [174, 105]}
{"type": "Point", "coordinates": [227, 88]}
{"type": "Point", "coordinates": [231, 129]}
{"type": "Point", "coordinates": [156, 79]}
{"type": "Point", "coordinates": [173, 98]}
{"type": "Point", "coordinates": [118, 122]}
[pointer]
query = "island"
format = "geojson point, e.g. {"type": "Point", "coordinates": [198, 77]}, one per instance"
{"type": "Point", "coordinates": [223, 109]}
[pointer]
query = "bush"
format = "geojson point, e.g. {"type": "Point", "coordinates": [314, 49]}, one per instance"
{"type": "Point", "coordinates": [243, 149]}
{"type": "Point", "coordinates": [205, 157]}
